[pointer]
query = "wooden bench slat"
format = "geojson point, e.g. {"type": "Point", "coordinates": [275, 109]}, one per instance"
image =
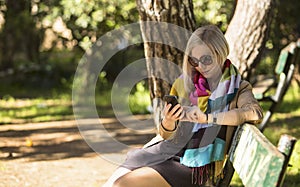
{"type": "Point", "coordinates": [283, 57]}
{"type": "Point", "coordinates": [257, 162]}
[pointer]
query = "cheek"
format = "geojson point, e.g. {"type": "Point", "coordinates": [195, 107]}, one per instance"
{"type": "Point", "coordinates": [216, 70]}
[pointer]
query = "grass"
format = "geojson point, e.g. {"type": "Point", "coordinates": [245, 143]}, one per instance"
{"type": "Point", "coordinates": [16, 111]}
{"type": "Point", "coordinates": [59, 107]}
{"type": "Point", "coordinates": [287, 121]}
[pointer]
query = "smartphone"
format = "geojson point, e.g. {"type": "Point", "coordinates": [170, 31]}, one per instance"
{"type": "Point", "coordinates": [171, 99]}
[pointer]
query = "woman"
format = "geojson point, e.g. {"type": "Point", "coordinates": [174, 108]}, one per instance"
{"type": "Point", "coordinates": [213, 100]}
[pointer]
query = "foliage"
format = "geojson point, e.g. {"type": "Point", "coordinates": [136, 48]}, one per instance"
{"type": "Point", "coordinates": [88, 20]}
{"type": "Point", "coordinates": [285, 28]}
{"type": "Point", "coordinates": [139, 101]}
{"type": "Point", "coordinates": [218, 12]}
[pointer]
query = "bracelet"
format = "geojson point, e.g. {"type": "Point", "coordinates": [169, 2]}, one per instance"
{"type": "Point", "coordinates": [167, 129]}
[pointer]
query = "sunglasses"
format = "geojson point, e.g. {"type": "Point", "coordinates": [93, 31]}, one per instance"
{"type": "Point", "coordinates": [205, 60]}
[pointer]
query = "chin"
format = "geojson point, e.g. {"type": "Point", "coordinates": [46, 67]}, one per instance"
{"type": "Point", "coordinates": [206, 74]}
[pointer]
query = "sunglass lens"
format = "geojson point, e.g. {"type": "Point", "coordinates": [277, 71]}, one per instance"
{"type": "Point", "coordinates": [206, 60]}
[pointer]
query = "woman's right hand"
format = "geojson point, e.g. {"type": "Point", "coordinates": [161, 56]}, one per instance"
{"type": "Point", "coordinates": [171, 116]}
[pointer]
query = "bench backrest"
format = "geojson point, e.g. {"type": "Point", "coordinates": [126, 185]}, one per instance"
{"type": "Point", "coordinates": [285, 68]}
{"type": "Point", "coordinates": [288, 56]}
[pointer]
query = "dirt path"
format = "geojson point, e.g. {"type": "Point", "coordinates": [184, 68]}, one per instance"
{"type": "Point", "coordinates": [59, 156]}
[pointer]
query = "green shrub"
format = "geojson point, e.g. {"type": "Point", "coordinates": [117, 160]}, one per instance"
{"type": "Point", "coordinates": [139, 101]}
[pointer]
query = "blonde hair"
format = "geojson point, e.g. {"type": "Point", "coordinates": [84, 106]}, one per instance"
{"type": "Point", "coordinates": [214, 39]}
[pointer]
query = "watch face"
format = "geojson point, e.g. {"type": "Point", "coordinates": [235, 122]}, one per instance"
{"type": "Point", "coordinates": [214, 118]}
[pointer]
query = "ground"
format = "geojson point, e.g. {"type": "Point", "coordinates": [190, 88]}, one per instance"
{"type": "Point", "coordinates": [56, 154]}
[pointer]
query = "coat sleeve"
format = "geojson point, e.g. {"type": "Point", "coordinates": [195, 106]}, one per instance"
{"type": "Point", "coordinates": [177, 89]}
{"type": "Point", "coordinates": [244, 108]}
{"type": "Point", "coordinates": [253, 113]}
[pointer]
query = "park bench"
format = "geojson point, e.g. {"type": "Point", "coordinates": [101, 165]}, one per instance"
{"type": "Point", "coordinates": [284, 70]}
{"type": "Point", "coordinates": [257, 161]}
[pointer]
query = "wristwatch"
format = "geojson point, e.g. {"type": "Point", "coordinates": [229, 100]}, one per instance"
{"type": "Point", "coordinates": [214, 118]}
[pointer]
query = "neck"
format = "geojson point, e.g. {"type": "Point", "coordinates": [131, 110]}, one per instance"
{"type": "Point", "coordinates": [213, 82]}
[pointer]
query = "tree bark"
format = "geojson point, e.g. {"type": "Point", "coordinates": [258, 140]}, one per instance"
{"type": "Point", "coordinates": [247, 33]}
{"type": "Point", "coordinates": [19, 36]}
{"type": "Point", "coordinates": [180, 13]}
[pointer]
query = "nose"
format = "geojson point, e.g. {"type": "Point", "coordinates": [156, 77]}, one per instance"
{"type": "Point", "coordinates": [202, 66]}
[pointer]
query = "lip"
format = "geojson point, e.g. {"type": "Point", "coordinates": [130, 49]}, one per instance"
{"type": "Point", "coordinates": [205, 72]}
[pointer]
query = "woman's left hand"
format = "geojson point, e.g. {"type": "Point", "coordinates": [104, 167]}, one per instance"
{"type": "Point", "coordinates": [194, 114]}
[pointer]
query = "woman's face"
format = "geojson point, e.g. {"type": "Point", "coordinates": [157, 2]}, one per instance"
{"type": "Point", "coordinates": [207, 64]}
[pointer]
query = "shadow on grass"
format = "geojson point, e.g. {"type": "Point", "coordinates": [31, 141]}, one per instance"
{"type": "Point", "coordinates": [288, 106]}
{"type": "Point", "coordinates": [292, 180]}
{"type": "Point", "coordinates": [284, 126]}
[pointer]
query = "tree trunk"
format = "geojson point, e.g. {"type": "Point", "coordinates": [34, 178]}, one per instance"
{"type": "Point", "coordinates": [19, 36]}
{"type": "Point", "coordinates": [180, 13]}
{"type": "Point", "coordinates": [247, 33]}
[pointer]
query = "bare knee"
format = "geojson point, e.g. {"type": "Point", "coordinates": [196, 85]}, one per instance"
{"type": "Point", "coordinates": [146, 177]}
{"type": "Point", "coordinates": [122, 182]}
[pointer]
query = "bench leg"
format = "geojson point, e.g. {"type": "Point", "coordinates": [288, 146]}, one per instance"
{"type": "Point", "coordinates": [266, 120]}
{"type": "Point", "coordinates": [228, 174]}
{"type": "Point", "coordinates": [285, 145]}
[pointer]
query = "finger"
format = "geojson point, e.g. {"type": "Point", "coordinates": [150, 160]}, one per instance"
{"type": "Point", "coordinates": [195, 118]}
{"type": "Point", "coordinates": [182, 114]}
{"type": "Point", "coordinates": [167, 108]}
{"type": "Point", "coordinates": [175, 108]}
{"type": "Point", "coordinates": [199, 114]}
{"type": "Point", "coordinates": [179, 112]}
{"type": "Point", "coordinates": [189, 117]}
{"type": "Point", "coordinates": [173, 114]}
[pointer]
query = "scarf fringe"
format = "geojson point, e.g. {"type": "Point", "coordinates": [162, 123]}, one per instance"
{"type": "Point", "coordinates": [200, 174]}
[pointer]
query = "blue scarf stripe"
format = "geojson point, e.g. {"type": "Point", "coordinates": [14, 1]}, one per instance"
{"type": "Point", "coordinates": [221, 101]}
{"type": "Point", "coordinates": [204, 155]}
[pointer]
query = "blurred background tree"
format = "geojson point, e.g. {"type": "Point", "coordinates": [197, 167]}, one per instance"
{"type": "Point", "coordinates": [19, 36]}
{"type": "Point", "coordinates": [43, 41]}
{"type": "Point", "coordinates": [179, 13]}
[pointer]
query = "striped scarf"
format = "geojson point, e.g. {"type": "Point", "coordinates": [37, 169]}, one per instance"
{"type": "Point", "coordinates": [205, 149]}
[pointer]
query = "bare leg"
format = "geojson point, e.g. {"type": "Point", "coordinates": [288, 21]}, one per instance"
{"type": "Point", "coordinates": [117, 174]}
{"type": "Point", "coordinates": [146, 177]}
